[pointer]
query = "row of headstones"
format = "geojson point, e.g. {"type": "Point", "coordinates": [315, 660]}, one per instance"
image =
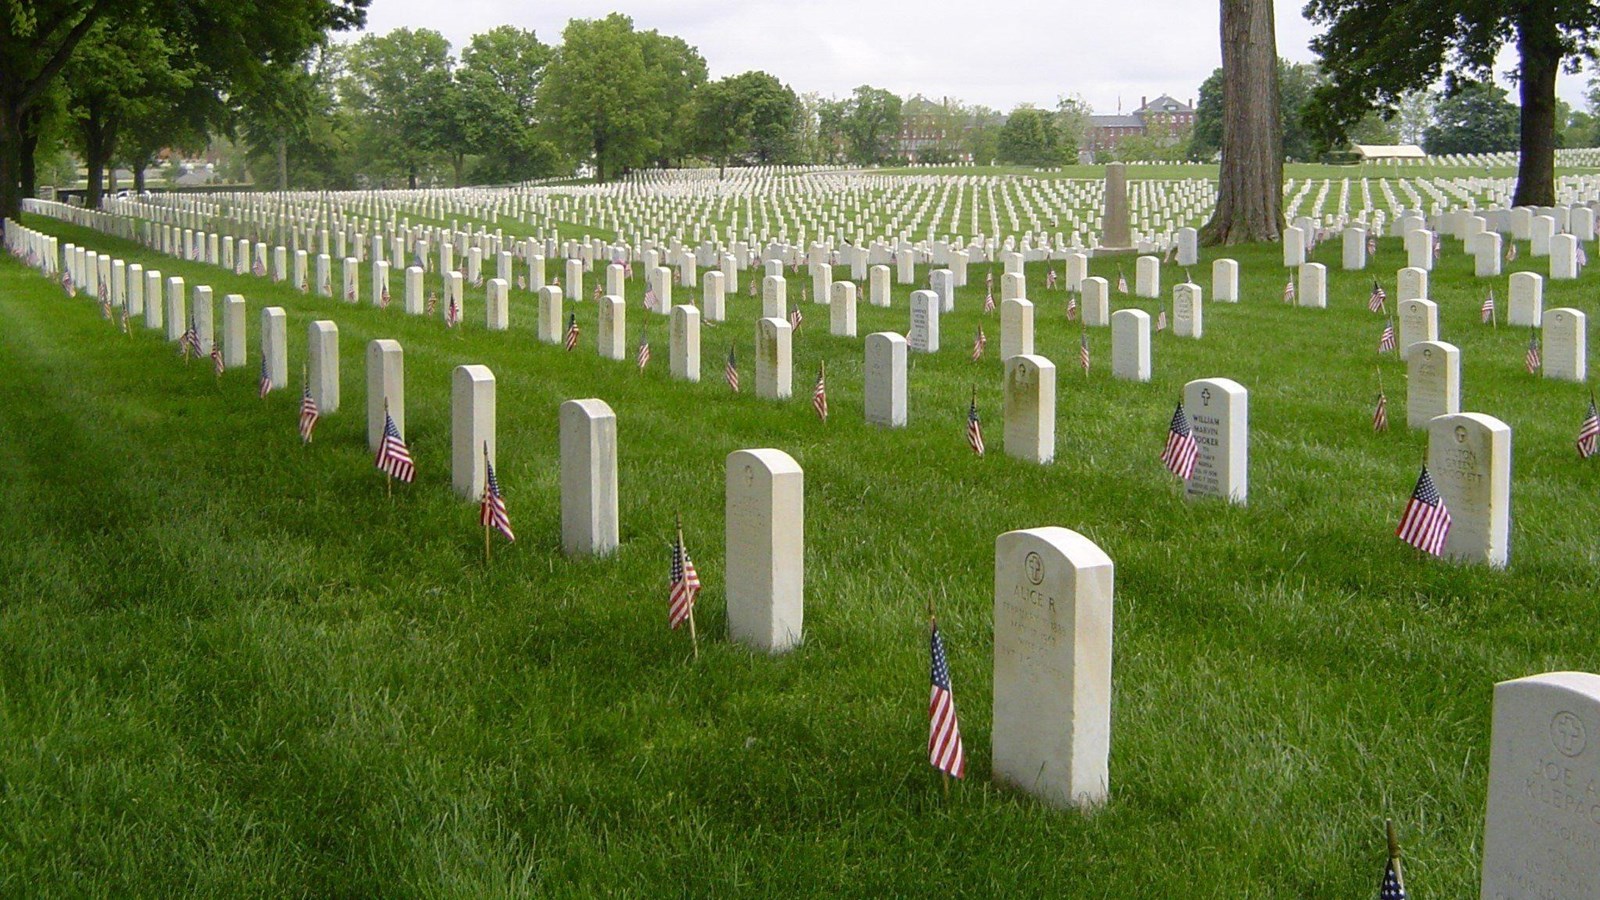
{"type": "Point", "coordinates": [1485, 246]}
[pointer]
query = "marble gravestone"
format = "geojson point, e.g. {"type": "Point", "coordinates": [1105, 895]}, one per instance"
{"type": "Point", "coordinates": [774, 360]}
{"type": "Point", "coordinates": [322, 364]}
{"type": "Point", "coordinates": [472, 428]}
{"type": "Point", "coordinates": [1419, 321]}
{"type": "Point", "coordinates": [924, 334]}
{"type": "Point", "coordinates": [1566, 348]}
{"type": "Point", "coordinates": [683, 333]}
{"type": "Point", "coordinates": [1188, 307]}
{"type": "Point", "coordinates": [1030, 409]}
{"type": "Point", "coordinates": [275, 345]}
{"type": "Point", "coordinates": [588, 478]}
{"type": "Point", "coordinates": [764, 516]}
{"type": "Point", "coordinates": [1016, 328]}
{"type": "Point", "coordinates": [1541, 838]}
{"type": "Point", "coordinates": [1433, 381]}
{"type": "Point", "coordinates": [1219, 412]}
{"type": "Point", "coordinates": [386, 389]}
{"type": "Point", "coordinates": [1130, 345]}
{"type": "Point", "coordinates": [1469, 455]}
{"type": "Point", "coordinates": [1051, 728]}
{"type": "Point", "coordinates": [885, 379]}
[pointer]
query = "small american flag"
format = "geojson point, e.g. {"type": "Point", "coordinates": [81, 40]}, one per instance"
{"type": "Point", "coordinates": [1393, 888]}
{"type": "Point", "coordinates": [217, 366]}
{"type": "Point", "coordinates": [1083, 351]}
{"type": "Point", "coordinates": [730, 372]}
{"type": "Point", "coordinates": [67, 285]}
{"type": "Point", "coordinates": [105, 304]}
{"type": "Point", "coordinates": [974, 427]}
{"type": "Point", "coordinates": [572, 332]}
{"type": "Point", "coordinates": [945, 752]}
{"type": "Point", "coordinates": [1181, 450]}
{"type": "Point", "coordinates": [819, 393]}
{"type": "Point", "coordinates": [492, 512]}
{"type": "Point", "coordinates": [1380, 416]}
{"type": "Point", "coordinates": [1583, 258]}
{"type": "Point", "coordinates": [978, 344]}
{"type": "Point", "coordinates": [753, 288]}
{"type": "Point", "coordinates": [1161, 318]}
{"type": "Point", "coordinates": [1438, 246]}
{"type": "Point", "coordinates": [308, 414]}
{"type": "Point", "coordinates": [327, 285]}
{"type": "Point", "coordinates": [1532, 361]}
{"type": "Point", "coordinates": [1288, 290]}
{"type": "Point", "coordinates": [988, 280]}
{"type": "Point", "coordinates": [1122, 281]}
{"type": "Point", "coordinates": [795, 318]}
{"type": "Point", "coordinates": [650, 298]}
{"type": "Point", "coordinates": [305, 283]}
{"type": "Point", "coordinates": [1050, 279]}
{"type": "Point", "coordinates": [452, 313]}
{"type": "Point", "coordinates": [685, 585]}
{"type": "Point", "coordinates": [266, 379]}
{"type": "Point", "coordinates": [189, 342]}
{"type": "Point", "coordinates": [627, 269]}
{"type": "Point", "coordinates": [1386, 342]}
{"type": "Point", "coordinates": [394, 459]}
{"type": "Point", "coordinates": [433, 303]}
{"type": "Point", "coordinates": [598, 293]}
{"type": "Point", "coordinates": [1486, 312]}
{"type": "Point", "coordinates": [1372, 245]}
{"type": "Point", "coordinates": [1425, 524]}
{"type": "Point", "coordinates": [988, 302]}
{"type": "Point", "coordinates": [1589, 433]}
{"type": "Point", "coordinates": [1511, 252]}
{"type": "Point", "coordinates": [1072, 307]}
{"type": "Point", "coordinates": [383, 298]}
{"type": "Point", "coordinates": [350, 291]}
{"type": "Point", "coordinates": [259, 268]}
{"type": "Point", "coordinates": [1375, 302]}
{"type": "Point", "coordinates": [644, 350]}
{"type": "Point", "coordinates": [124, 316]}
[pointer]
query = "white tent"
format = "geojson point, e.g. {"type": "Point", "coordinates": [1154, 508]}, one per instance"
{"type": "Point", "coordinates": [1370, 152]}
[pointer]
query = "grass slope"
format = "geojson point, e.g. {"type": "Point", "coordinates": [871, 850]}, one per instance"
{"type": "Point", "coordinates": [229, 664]}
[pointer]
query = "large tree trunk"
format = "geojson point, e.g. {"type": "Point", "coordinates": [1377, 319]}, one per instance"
{"type": "Point", "coordinates": [138, 175]}
{"type": "Point", "coordinates": [27, 165]}
{"type": "Point", "coordinates": [283, 163]}
{"type": "Point", "coordinates": [1540, 48]}
{"type": "Point", "coordinates": [10, 157]}
{"type": "Point", "coordinates": [1250, 191]}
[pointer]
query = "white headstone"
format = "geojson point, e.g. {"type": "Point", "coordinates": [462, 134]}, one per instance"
{"type": "Point", "coordinates": [684, 343]}
{"type": "Point", "coordinates": [1526, 306]}
{"type": "Point", "coordinates": [1566, 345]}
{"type": "Point", "coordinates": [1313, 286]}
{"type": "Point", "coordinates": [203, 315]}
{"type": "Point", "coordinates": [774, 297]}
{"type": "Point", "coordinates": [588, 478]}
{"type": "Point", "coordinates": [774, 364]}
{"type": "Point", "coordinates": [613, 327]}
{"type": "Point", "coordinates": [1540, 836]}
{"type": "Point", "coordinates": [1188, 247]}
{"type": "Point", "coordinates": [1130, 345]}
{"type": "Point", "coordinates": [1419, 321]}
{"type": "Point", "coordinates": [764, 517]}
{"type": "Point", "coordinates": [322, 362]}
{"type": "Point", "coordinates": [1016, 328]}
{"type": "Point", "coordinates": [1563, 257]}
{"type": "Point", "coordinates": [1411, 284]}
{"type": "Point", "coordinates": [233, 331]}
{"type": "Point", "coordinates": [1030, 408]}
{"type": "Point", "coordinates": [1096, 302]}
{"type": "Point", "coordinates": [275, 345]}
{"type": "Point", "coordinates": [1294, 247]}
{"type": "Point", "coordinates": [177, 313]}
{"type": "Point", "coordinates": [1486, 254]}
{"type": "Point", "coordinates": [878, 285]}
{"type": "Point", "coordinates": [472, 428]}
{"type": "Point", "coordinates": [713, 297]}
{"type": "Point", "coordinates": [386, 384]}
{"type": "Point", "coordinates": [1433, 381]}
{"type": "Point", "coordinates": [1147, 276]}
{"type": "Point", "coordinates": [552, 323]}
{"type": "Point", "coordinates": [1354, 257]}
{"type": "Point", "coordinates": [1469, 455]}
{"type": "Point", "coordinates": [1051, 733]}
{"type": "Point", "coordinates": [1225, 281]}
{"type": "Point", "coordinates": [498, 303]}
{"type": "Point", "coordinates": [924, 334]}
{"type": "Point", "coordinates": [1219, 413]}
{"type": "Point", "coordinates": [885, 379]}
{"type": "Point", "coordinates": [1188, 310]}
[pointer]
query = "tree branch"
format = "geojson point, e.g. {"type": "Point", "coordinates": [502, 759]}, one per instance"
{"type": "Point", "coordinates": [52, 67]}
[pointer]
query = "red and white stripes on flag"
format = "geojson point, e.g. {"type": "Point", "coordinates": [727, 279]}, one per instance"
{"type": "Point", "coordinates": [1083, 351]}
{"type": "Point", "coordinates": [1589, 433]}
{"type": "Point", "coordinates": [685, 585]}
{"type": "Point", "coordinates": [650, 299]}
{"type": "Point", "coordinates": [978, 344]}
{"type": "Point", "coordinates": [988, 301]}
{"type": "Point", "coordinates": [1380, 416]}
{"type": "Point", "coordinates": [1386, 341]}
{"type": "Point", "coordinates": [1181, 450]}
{"type": "Point", "coordinates": [730, 372]}
{"type": "Point", "coordinates": [974, 427]}
{"type": "Point", "coordinates": [492, 512]}
{"type": "Point", "coordinates": [819, 393]}
{"type": "Point", "coordinates": [1425, 523]}
{"type": "Point", "coordinates": [795, 318]}
{"type": "Point", "coordinates": [394, 458]}
{"type": "Point", "coordinates": [1532, 360]}
{"type": "Point", "coordinates": [945, 752]}
{"type": "Point", "coordinates": [217, 365]}
{"type": "Point", "coordinates": [572, 332]}
{"type": "Point", "coordinates": [308, 414]}
{"type": "Point", "coordinates": [1288, 290]}
{"type": "Point", "coordinates": [643, 356]}
{"type": "Point", "coordinates": [1486, 312]}
{"type": "Point", "coordinates": [266, 379]}
{"type": "Point", "coordinates": [1376, 302]}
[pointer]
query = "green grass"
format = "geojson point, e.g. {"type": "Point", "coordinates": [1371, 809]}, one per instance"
{"type": "Point", "coordinates": [229, 664]}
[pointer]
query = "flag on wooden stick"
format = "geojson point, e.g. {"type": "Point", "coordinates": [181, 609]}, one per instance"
{"type": "Point", "coordinates": [492, 511]}
{"type": "Point", "coordinates": [1393, 886]}
{"type": "Point", "coordinates": [684, 586]}
{"type": "Point", "coordinates": [1425, 523]}
{"type": "Point", "coordinates": [1532, 360]}
{"type": "Point", "coordinates": [1181, 451]}
{"type": "Point", "coordinates": [978, 345]}
{"type": "Point", "coordinates": [1377, 301]}
{"type": "Point", "coordinates": [945, 752]}
{"type": "Point", "coordinates": [1386, 340]}
{"type": "Point", "coordinates": [394, 458]}
{"type": "Point", "coordinates": [308, 412]}
{"type": "Point", "coordinates": [819, 393]}
{"type": "Point", "coordinates": [1589, 432]}
{"type": "Point", "coordinates": [643, 356]}
{"type": "Point", "coordinates": [572, 332]}
{"type": "Point", "coordinates": [974, 427]}
{"type": "Point", "coordinates": [730, 372]}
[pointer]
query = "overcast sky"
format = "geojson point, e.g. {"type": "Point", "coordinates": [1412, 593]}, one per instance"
{"type": "Point", "coordinates": [977, 52]}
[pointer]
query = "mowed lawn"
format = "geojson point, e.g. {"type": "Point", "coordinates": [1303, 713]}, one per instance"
{"type": "Point", "coordinates": [230, 664]}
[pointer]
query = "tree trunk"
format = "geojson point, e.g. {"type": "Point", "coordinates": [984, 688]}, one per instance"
{"type": "Point", "coordinates": [138, 175]}
{"type": "Point", "coordinates": [27, 165]}
{"type": "Point", "coordinates": [411, 178]}
{"type": "Point", "coordinates": [458, 163]}
{"type": "Point", "coordinates": [283, 163]}
{"type": "Point", "coordinates": [1250, 188]}
{"type": "Point", "coordinates": [10, 157]}
{"type": "Point", "coordinates": [1539, 46]}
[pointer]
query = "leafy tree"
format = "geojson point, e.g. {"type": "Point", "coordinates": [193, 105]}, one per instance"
{"type": "Point", "coordinates": [1250, 187]}
{"type": "Point", "coordinates": [1029, 138]}
{"type": "Point", "coordinates": [401, 89]}
{"type": "Point", "coordinates": [232, 41]}
{"type": "Point", "coordinates": [673, 70]}
{"type": "Point", "coordinates": [499, 78]}
{"type": "Point", "coordinates": [981, 142]}
{"type": "Point", "coordinates": [1376, 50]}
{"type": "Point", "coordinates": [1072, 120]}
{"type": "Point", "coordinates": [871, 125]}
{"type": "Point", "coordinates": [296, 119]}
{"type": "Point", "coordinates": [595, 96]}
{"type": "Point", "coordinates": [752, 117]}
{"type": "Point", "coordinates": [1475, 118]}
{"type": "Point", "coordinates": [1296, 81]}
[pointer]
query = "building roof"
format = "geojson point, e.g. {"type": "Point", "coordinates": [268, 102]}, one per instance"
{"type": "Point", "coordinates": [1128, 121]}
{"type": "Point", "coordinates": [1388, 151]}
{"type": "Point", "coordinates": [1166, 104]}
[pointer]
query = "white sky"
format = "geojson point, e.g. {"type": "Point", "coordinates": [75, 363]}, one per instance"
{"type": "Point", "coordinates": [1101, 50]}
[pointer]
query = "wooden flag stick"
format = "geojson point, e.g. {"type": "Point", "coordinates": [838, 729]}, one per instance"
{"type": "Point", "coordinates": [1379, 370]}
{"type": "Point", "coordinates": [486, 488]}
{"type": "Point", "coordinates": [1394, 845]}
{"type": "Point", "coordinates": [694, 636]}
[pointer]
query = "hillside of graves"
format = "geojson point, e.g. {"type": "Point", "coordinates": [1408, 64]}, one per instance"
{"type": "Point", "coordinates": [233, 661]}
